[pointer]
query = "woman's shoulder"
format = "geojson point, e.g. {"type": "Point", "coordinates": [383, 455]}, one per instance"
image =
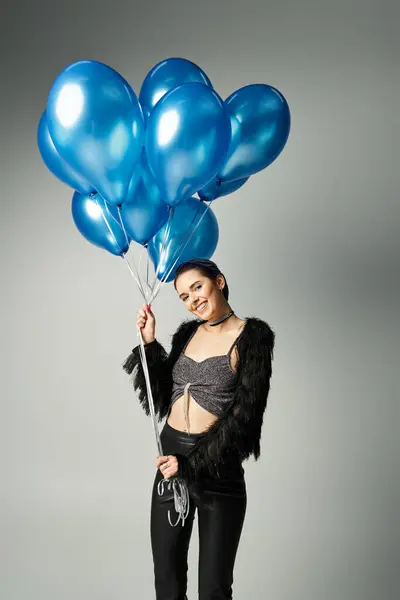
{"type": "Point", "coordinates": [257, 333]}
{"type": "Point", "coordinates": [255, 327]}
{"type": "Point", "coordinates": [256, 348]}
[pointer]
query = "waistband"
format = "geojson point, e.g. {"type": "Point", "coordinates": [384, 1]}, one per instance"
{"type": "Point", "coordinates": [177, 433]}
{"type": "Point", "coordinates": [175, 440]}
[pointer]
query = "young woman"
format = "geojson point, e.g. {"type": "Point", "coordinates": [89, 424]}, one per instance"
{"type": "Point", "coordinates": [213, 388]}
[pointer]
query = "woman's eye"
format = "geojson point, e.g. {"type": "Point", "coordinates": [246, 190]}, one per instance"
{"type": "Point", "coordinates": [196, 288]}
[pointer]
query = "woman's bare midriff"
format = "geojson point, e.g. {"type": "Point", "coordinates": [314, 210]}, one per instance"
{"type": "Point", "coordinates": [199, 418]}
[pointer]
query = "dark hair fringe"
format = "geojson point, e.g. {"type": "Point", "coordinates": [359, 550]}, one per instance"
{"type": "Point", "coordinates": [207, 267]}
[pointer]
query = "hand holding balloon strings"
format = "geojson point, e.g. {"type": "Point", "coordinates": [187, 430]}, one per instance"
{"type": "Point", "coordinates": [146, 321]}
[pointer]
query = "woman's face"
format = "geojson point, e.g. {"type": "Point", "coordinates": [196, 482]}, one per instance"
{"type": "Point", "coordinates": [201, 295]}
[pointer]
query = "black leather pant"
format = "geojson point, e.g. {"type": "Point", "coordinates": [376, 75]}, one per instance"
{"type": "Point", "coordinates": [221, 507]}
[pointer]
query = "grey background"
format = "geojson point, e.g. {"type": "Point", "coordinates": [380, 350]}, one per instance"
{"type": "Point", "coordinates": [311, 245]}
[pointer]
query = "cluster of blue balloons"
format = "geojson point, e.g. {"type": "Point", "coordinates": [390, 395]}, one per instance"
{"type": "Point", "coordinates": [135, 162]}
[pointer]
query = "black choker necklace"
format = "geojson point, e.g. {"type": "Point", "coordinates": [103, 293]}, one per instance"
{"type": "Point", "coordinates": [221, 320]}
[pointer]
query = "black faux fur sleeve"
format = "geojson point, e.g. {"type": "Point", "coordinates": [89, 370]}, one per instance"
{"type": "Point", "coordinates": [160, 365]}
{"type": "Point", "coordinates": [239, 429]}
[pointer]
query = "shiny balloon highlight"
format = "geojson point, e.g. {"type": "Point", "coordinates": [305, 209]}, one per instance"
{"type": "Point", "coordinates": [167, 75]}
{"type": "Point", "coordinates": [187, 139]}
{"type": "Point", "coordinates": [260, 120]}
{"type": "Point", "coordinates": [99, 223]}
{"type": "Point", "coordinates": [97, 126]}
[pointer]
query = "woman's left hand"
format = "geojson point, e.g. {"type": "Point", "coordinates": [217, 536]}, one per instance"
{"type": "Point", "coordinates": [168, 465]}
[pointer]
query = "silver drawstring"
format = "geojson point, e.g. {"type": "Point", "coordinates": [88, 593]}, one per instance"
{"type": "Point", "coordinates": [186, 406]}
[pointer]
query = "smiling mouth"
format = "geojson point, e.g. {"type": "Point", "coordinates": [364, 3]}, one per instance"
{"type": "Point", "coordinates": [201, 307]}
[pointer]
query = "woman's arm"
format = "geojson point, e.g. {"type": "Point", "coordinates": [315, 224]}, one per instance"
{"type": "Point", "coordinates": [160, 365]}
{"type": "Point", "coordinates": [160, 377]}
{"type": "Point", "coordinates": [239, 429]}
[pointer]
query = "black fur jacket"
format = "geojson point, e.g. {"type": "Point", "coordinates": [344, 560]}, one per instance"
{"type": "Point", "coordinates": [239, 428]}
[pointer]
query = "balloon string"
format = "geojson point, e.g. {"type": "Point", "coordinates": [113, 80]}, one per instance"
{"type": "Point", "coordinates": [166, 234]}
{"type": "Point", "coordinates": [141, 290]}
{"type": "Point", "coordinates": [179, 249]}
{"type": "Point", "coordinates": [163, 279]}
{"type": "Point", "coordinates": [143, 250]}
{"type": "Point", "coordinates": [106, 222]}
{"type": "Point", "coordinates": [163, 246]}
{"type": "Point", "coordinates": [139, 262]}
{"type": "Point", "coordinates": [123, 226]}
{"type": "Point", "coordinates": [181, 493]}
{"type": "Point", "coordinates": [111, 215]}
{"type": "Point", "coordinates": [149, 391]}
{"type": "Point", "coordinates": [181, 498]}
{"type": "Point", "coordinates": [147, 270]}
{"type": "Point", "coordinates": [121, 223]}
{"type": "Point", "coordinates": [184, 243]}
{"type": "Point", "coordinates": [123, 254]}
{"type": "Point", "coordinates": [139, 267]}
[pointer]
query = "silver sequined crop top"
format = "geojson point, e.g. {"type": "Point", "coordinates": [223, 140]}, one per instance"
{"type": "Point", "coordinates": [212, 381]}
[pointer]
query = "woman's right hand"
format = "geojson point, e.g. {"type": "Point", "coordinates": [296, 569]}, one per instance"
{"type": "Point", "coordinates": [146, 321]}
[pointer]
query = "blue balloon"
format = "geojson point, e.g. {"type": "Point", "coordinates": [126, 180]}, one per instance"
{"type": "Point", "coordinates": [57, 165]}
{"type": "Point", "coordinates": [260, 121]}
{"type": "Point", "coordinates": [201, 244]}
{"type": "Point", "coordinates": [187, 138]}
{"type": "Point", "coordinates": [144, 211]}
{"type": "Point", "coordinates": [97, 126]}
{"type": "Point", "coordinates": [144, 172]}
{"type": "Point", "coordinates": [216, 188]}
{"type": "Point", "coordinates": [146, 113]}
{"type": "Point", "coordinates": [135, 179]}
{"type": "Point", "coordinates": [167, 75]}
{"type": "Point", "coordinates": [95, 218]}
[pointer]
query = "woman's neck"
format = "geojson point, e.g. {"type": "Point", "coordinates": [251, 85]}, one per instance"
{"type": "Point", "coordinates": [227, 324]}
